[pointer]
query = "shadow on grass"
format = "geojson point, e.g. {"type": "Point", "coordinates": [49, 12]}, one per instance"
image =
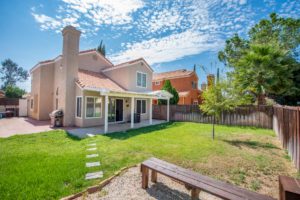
{"type": "Point", "coordinates": [73, 137]}
{"type": "Point", "coordinates": [251, 144]}
{"type": "Point", "coordinates": [144, 130]}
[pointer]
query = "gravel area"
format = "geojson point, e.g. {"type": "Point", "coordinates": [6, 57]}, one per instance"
{"type": "Point", "coordinates": [128, 186]}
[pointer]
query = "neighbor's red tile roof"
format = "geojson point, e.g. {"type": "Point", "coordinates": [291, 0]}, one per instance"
{"type": "Point", "coordinates": [97, 80]}
{"type": "Point", "coordinates": [172, 74]}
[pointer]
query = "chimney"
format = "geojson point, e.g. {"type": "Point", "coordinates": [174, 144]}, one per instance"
{"type": "Point", "coordinates": [210, 80]}
{"type": "Point", "coordinates": [203, 86]}
{"type": "Point", "coordinates": [69, 72]}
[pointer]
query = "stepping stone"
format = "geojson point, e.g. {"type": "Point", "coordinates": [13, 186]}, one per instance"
{"type": "Point", "coordinates": [92, 149]}
{"type": "Point", "coordinates": [92, 164]}
{"type": "Point", "coordinates": [90, 135]}
{"type": "Point", "coordinates": [94, 175]}
{"type": "Point", "coordinates": [93, 144]}
{"type": "Point", "coordinates": [92, 156]}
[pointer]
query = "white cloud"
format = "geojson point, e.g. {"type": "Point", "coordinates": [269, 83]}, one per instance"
{"type": "Point", "coordinates": [170, 48]}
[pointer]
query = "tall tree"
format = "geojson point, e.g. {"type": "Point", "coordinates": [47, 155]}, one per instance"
{"type": "Point", "coordinates": [168, 87]}
{"type": "Point", "coordinates": [266, 63]}
{"type": "Point", "coordinates": [101, 48]}
{"type": "Point", "coordinates": [11, 73]}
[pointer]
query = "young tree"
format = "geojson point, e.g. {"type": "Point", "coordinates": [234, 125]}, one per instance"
{"type": "Point", "coordinates": [14, 92]}
{"type": "Point", "coordinates": [11, 73]}
{"type": "Point", "coordinates": [101, 48]}
{"type": "Point", "coordinates": [219, 98]}
{"type": "Point", "coordinates": [168, 87]}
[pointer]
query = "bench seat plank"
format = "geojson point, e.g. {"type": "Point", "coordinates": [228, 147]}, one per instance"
{"type": "Point", "coordinates": [193, 179]}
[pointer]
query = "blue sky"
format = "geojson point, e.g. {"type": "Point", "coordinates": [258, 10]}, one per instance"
{"type": "Point", "coordinates": [168, 34]}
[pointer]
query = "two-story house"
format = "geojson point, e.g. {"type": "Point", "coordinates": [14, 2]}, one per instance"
{"type": "Point", "coordinates": [184, 81]}
{"type": "Point", "coordinates": [89, 89]}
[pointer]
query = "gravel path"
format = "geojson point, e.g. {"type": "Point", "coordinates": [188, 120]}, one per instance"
{"type": "Point", "coordinates": [128, 186]}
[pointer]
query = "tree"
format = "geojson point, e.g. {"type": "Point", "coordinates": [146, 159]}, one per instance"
{"type": "Point", "coordinates": [168, 87]}
{"type": "Point", "coordinates": [11, 73]}
{"type": "Point", "coordinates": [101, 48]}
{"type": "Point", "coordinates": [217, 99]}
{"type": "Point", "coordinates": [14, 92]}
{"type": "Point", "coordinates": [267, 63]}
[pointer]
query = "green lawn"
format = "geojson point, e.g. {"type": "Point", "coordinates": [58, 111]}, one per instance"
{"type": "Point", "coordinates": [51, 165]}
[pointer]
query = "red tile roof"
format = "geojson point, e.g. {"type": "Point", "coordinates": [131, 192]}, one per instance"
{"type": "Point", "coordinates": [172, 74]}
{"type": "Point", "coordinates": [97, 80]}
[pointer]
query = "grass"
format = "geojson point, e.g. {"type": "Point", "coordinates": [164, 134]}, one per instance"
{"type": "Point", "coordinates": [51, 165]}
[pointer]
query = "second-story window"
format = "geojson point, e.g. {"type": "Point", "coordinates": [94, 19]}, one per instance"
{"type": "Point", "coordinates": [194, 85]}
{"type": "Point", "coordinates": [141, 79]}
{"type": "Point", "coordinates": [157, 82]}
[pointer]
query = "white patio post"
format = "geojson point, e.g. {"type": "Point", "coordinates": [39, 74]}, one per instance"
{"type": "Point", "coordinates": [132, 113]}
{"type": "Point", "coordinates": [106, 114]}
{"type": "Point", "coordinates": [150, 111]}
{"type": "Point", "coordinates": [168, 110]}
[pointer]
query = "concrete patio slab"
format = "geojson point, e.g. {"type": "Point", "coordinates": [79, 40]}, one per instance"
{"type": "Point", "coordinates": [92, 149]}
{"type": "Point", "coordinates": [118, 127]}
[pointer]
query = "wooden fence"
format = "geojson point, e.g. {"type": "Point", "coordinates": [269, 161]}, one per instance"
{"type": "Point", "coordinates": [258, 116]}
{"type": "Point", "coordinates": [286, 122]}
{"type": "Point", "coordinates": [10, 104]}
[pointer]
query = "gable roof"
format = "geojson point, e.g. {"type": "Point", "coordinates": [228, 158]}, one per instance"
{"type": "Point", "coordinates": [172, 74]}
{"type": "Point", "coordinates": [89, 79]}
{"type": "Point", "coordinates": [60, 56]}
{"type": "Point", "coordinates": [129, 63]}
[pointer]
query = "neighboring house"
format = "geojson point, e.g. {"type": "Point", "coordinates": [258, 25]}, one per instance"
{"type": "Point", "coordinates": [184, 81]}
{"type": "Point", "coordinates": [2, 94]}
{"type": "Point", "coordinates": [89, 89]}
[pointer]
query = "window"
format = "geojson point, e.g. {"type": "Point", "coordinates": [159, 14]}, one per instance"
{"type": "Point", "coordinates": [31, 104]}
{"type": "Point", "coordinates": [141, 106]}
{"type": "Point", "coordinates": [93, 107]}
{"type": "Point", "coordinates": [56, 103]}
{"type": "Point", "coordinates": [195, 102]}
{"type": "Point", "coordinates": [78, 106]}
{"type": "Point", "coordinates": [194, 85]}
{"type": "Point", "coordinates": [141, 79]}
{"type": "Point", "coordinates": [157, 82]}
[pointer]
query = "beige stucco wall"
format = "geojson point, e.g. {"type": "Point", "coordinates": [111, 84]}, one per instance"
{"type": "Point", "coordinates": [92, 62]}
{"type": "Point", "coordinates": [127, 76]}
{"type": "Point", "coordinates": [35, 89]}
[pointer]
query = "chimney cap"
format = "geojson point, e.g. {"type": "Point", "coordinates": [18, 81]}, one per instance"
{"type": "Point", "coordinates": [70, 28]}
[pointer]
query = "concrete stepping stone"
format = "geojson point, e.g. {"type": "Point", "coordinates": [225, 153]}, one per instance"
{"type": "Point", "coordinates": [90, 135]}
{"type": "Point", "coordinates": [92, 149]}
{"type": "Point", "coordinates": [92, 164]}
{"type": "Point", "coordinates": [93, 144]}
{"type": "Point", "coordinates": [94, 175]}
{"type": "Point", "coordinates": [92, 156]}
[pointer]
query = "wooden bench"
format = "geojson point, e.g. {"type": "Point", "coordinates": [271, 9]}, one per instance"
{"type": "Point", "coordinates": [195, 182]}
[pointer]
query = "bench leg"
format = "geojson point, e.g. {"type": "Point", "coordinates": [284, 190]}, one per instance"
{"type": "Point", "coordinates": [195, 194]}
{"type": "Point", "coordinates": [145, 177]}
{"type": "Point", "coordinates": [153, 176]}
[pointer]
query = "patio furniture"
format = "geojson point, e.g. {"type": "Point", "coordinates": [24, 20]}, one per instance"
{"type": "Point", "coordinates": [195, 182]}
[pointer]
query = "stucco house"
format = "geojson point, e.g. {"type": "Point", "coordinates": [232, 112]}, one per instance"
{"type": "Point", "coordinates": [184, 81]}
{"type": "Point", "coordinates": [89, 89]}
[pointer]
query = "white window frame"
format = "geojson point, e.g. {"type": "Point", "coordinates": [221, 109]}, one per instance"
{"type": "Point", "coordinates": [94, 107]}
{"type": "Point", "coordinates": [141, 86]}
{"type": "Point", "coordinates": [77, 97]}
{"type": "Point", "coordinates": [157, 83]}
{"type": "Point", "coordinates": [141, 106]}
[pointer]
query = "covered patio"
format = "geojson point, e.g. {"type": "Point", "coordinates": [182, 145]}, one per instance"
{"type": "Point", "coordinates": [117, 127]}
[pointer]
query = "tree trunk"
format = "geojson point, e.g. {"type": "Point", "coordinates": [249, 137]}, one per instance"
{"type": "Point", "coordinates": [261, 99]}
{"type": "Point", "coordinates": [213, 130]}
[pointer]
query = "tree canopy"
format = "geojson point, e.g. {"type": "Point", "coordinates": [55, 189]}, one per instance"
{"type": "Point", "coordinates": [266, 64]}
{"type": "Point", "coordinates": [14, 92]}
{"type": "Point", "coordinates": [101, 48]}
{"type": "Point", "coordinates": [168, 87]}
{"type": "Point", "coordinates": [11, 73]}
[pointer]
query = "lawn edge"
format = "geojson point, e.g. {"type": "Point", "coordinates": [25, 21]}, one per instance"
{"type": "Point", "coordinates": [98, 187]}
